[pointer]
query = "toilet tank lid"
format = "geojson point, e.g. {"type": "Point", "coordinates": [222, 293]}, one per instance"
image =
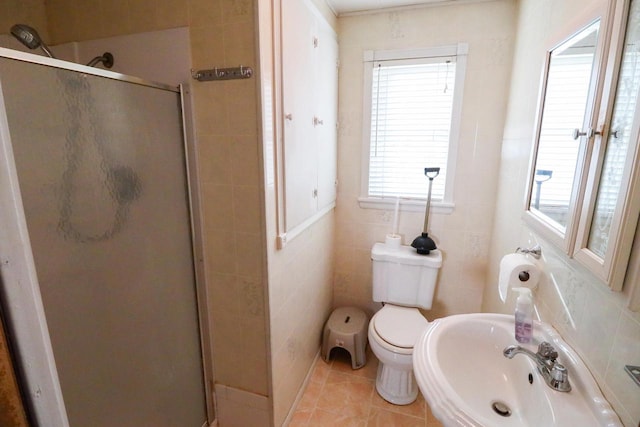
{"type": "Point", "coordinates": [406, 255]}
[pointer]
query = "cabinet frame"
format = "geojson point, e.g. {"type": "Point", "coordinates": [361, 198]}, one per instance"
{"type": "Point", "coordinates": [611, 268]}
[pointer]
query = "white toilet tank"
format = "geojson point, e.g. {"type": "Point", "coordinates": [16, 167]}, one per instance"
{"type": "Point", "coordinates": [401, 276]}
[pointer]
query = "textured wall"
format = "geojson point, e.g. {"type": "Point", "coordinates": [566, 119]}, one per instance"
{"type": "Point", "coordinates": [30, 12]}
{"type": "Point", "coordinates": [301, 274]}
{"type": "Point", "coordinates": [75, 20]}
{"type": "Point", "coordinates": [589, 316]}
{"type": "Point", "coordinates": [463, 236]}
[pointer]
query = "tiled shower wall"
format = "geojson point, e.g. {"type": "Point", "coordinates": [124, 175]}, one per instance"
{"type": "Point", "coordinates": [222, 34]}
{"type": "Point", "coordinates": [32, 12]}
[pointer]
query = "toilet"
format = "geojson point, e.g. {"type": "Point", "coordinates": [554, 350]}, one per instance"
{"type": "Point", "coordinates": [403, 281]}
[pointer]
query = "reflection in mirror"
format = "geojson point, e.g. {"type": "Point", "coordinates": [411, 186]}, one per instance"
{"type": "Point", "coordinates": [619, 136]}
{"type": "Point", "coordinates": [566, 95]}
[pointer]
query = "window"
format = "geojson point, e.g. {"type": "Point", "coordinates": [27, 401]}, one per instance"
{"type": "Point", "coordinates": [412, 111]}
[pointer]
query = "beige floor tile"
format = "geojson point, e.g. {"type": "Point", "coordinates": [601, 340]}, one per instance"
{"type": "Point", "coordinates": [337, 395]}
{"type": "Point", "coordinates": [320, 371]}
{"type": "Point", "coordinates": [342, 363]}
{"type": "Point", "coordinates": [321, 418]}
{"type": "Point", "coordinates": [346, 395]}
{"type": "Point", "coordinates": [310, 396]}
{"type": "Point", "coordinates": [383, 418]}
{"type": "Point", "coordinates": [416, 409]}
{"type": "Point", "coordinates": [300, 418]}
{"type": "Point", "coordinates": [432, 421]}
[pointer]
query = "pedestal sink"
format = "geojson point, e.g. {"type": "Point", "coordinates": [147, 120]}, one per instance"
{"type": "Point", "coordinates": [460, 368]}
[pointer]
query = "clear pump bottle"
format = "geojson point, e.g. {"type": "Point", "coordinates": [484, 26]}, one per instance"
{"type": "Point", "coordinates": [524, 315]}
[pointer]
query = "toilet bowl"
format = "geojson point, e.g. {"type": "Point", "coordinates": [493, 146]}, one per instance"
{"type": "Point", "coordinates": [393, 332]}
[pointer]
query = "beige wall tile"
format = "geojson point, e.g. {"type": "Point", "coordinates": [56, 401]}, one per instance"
{"type": "Point", "coordinates": [204, 13]}
{"type": "Point", "coordinates": [61, 21]}
{"type": "Point", "coordinates": [234, 11]}
{"type": "Point", "coordinates": [238, 44]}
{"type": "Point", "coordinates": [218, 200]}
{"type": "Point", "coordinates": [30, 12]}
{"type": "Point", "coordinates": [215, 164]}
{"type": "Point", "coordinates": [225, 299]}
{"type": "Point", "coordinates": [489, 29]}
{"type": "Point", "coordinates": [242, 109]}
{"type": "Point", "coordinates": [245, 158]}
{"type": "Point", "coordinates": [172, 13]}
{"type": "Point", "coordinates": [247, 211]}
{"type": "Point", "coordinates": [207, 49]}
{"type": "Point", "coordinates": [142, 14]}
{"type": "Point", "coordinates": [112, 20]}
{"type": "Point", "coordinates": [86, 19]}
{"type": "Point", "coordinates": [300, 302]}
{"type": "Point", "coordinates": [221, 252]}
{"type": "Point", "coordinates": [211, 109]}
{"type": "Point", "coordinates": [249, 260]}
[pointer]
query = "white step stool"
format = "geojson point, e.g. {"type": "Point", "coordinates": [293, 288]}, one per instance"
{"type": "Point", "coordinates": [346, 328]}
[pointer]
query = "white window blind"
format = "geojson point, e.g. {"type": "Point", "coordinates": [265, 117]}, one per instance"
{"type": "Point", "coordinates": [411, 119]}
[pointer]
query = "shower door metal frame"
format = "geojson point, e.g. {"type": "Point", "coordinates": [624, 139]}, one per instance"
{"type": "Point", "coordinates": [19, 289]}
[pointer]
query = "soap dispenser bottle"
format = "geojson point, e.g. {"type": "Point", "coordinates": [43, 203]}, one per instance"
{"type": "Point", "coordinates": [524, 315]}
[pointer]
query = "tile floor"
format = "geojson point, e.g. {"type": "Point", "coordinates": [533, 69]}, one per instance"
{"type": "Point", "coordinates": [338, 396]}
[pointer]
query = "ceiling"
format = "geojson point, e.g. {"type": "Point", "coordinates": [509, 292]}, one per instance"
{"type": "Point", "coordinates": [349, 6]}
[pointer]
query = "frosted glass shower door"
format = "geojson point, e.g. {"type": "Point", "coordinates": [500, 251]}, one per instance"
{"type": "Point", "coordinates": [101, 169]}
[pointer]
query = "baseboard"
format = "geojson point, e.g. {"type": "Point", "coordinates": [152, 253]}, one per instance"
{"type": "Point", "coordinates": [303, 387]}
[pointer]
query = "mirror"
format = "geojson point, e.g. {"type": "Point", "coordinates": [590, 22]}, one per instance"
{"type": "Point", "coordinates": [564, 120]}
{"type": "Point", "coordinates": [614, 173]}
{"type": "Point", "coordinates": [584, 185]}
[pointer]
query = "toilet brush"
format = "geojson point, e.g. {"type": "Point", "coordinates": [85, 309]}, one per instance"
{"type": "Point", "coordinates": [423, 243]}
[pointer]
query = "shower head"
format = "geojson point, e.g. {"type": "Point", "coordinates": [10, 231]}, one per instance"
{"type": "Point", "coordinates": [106, 59]}
{"type": "Point", "coordinates": [30, 38]}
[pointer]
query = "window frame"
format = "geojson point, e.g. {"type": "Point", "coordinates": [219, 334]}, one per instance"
{"type": "Point", "coordinates": [370, 57]}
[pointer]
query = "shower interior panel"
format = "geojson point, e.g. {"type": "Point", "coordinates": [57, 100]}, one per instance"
{"type": "Point", "coordinates": [101, 169]}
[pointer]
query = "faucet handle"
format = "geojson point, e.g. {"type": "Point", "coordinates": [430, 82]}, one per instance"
{"type": "Point", "coordinates": [560, 378]}
{"type": "Point", "coordinates": [547, 352]}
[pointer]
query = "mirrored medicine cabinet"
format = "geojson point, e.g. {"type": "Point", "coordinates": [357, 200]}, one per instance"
{"type": "Point", "coordinates": [583, 190]}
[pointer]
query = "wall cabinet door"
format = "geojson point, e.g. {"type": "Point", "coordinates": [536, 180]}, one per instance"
{"type": "Point", "coordinates": [309, 104]}
{"type": "Point", "coordinates": [584, 186]}
{"type": "Point", "coordinates": [612, 204]}
{"type": "Point", "coordinates": [326, 79]}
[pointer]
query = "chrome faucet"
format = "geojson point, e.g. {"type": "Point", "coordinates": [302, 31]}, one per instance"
{"type": "Point", "coordinates": [554, 374]}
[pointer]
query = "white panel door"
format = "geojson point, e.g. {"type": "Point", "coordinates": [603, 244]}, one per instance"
{"type": "Point", "coordinates": [298, 38]}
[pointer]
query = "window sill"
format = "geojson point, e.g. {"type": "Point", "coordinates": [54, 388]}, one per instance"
{"type": "Point", "coordinates": [406, 205]}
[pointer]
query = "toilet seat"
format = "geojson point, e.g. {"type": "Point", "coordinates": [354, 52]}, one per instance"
{"type": "Point", "coordinates": [399, 327]}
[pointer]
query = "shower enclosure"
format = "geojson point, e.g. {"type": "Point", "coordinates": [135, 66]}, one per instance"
{"type": "Point", "coordinates": [102, 177]}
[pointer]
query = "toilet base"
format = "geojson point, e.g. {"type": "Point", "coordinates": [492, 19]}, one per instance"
{"type": "Point", "coordinates": [396, 386]}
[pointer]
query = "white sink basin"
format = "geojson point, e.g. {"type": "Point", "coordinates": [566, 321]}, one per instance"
{"type": "Point", "coordinates": [461, 371]}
